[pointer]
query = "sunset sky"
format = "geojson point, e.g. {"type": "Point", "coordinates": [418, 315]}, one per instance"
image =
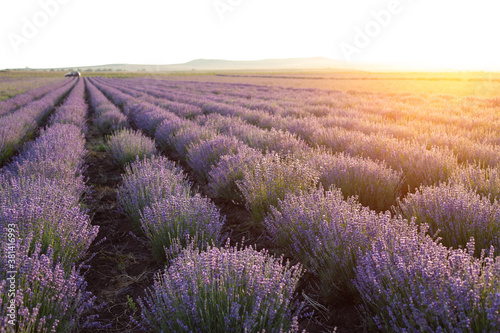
{"type": "Point", "coordinates": [418, 34]}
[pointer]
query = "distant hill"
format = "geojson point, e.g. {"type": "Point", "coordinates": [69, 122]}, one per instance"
{"type": "Point", "coordinates": [267, 64]}
{"type": "Point", "coordinates": [221, 65]}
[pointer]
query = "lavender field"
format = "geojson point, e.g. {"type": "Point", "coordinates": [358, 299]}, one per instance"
{"type": "Point", "coordinates": [156, 204]}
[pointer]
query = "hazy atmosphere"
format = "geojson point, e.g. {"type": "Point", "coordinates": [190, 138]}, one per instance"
{"type": "Point", "coordinates": [424, 34]}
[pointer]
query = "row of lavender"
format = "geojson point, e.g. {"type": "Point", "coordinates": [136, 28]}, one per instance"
{"type": "Point", "coordinates": [432, 113]}
{"type": "Point", "coordinates": [367, 112]}
{"type": "Point", "coordinates": [352, 250]}
{"type": "Point", "coordinates": [108, 118]}
{"type": "Point", "coordinates": [374, 183]}
{"type": "Point", "coordinates": [12, 104]}
{"type": "Point", "coordinates": [48, 231]}
{"type": "Point", "coordinates": [427, 157]}
{"type": "Point", "coordinates": [18, 126]}
{"type": "Point", "coordinates": [453, 208]}
{"type": "Point", "coordinates": [479, 218]}
{"type": "Point", "coordinates": [419, 165]}
{"type": "Point", "coordinates": [155, 194]}
{"type": "Point", "coordinates": [185, 230]}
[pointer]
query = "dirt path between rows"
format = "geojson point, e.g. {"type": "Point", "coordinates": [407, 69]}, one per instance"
{"type": "Point", "coordinates": [123, 266]}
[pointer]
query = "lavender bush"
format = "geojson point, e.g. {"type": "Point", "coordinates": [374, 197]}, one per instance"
{"type": "Point", "coordinates": [50, 212]}
{"type": "Point", "coordinates": [374, 184]}
{"type": "Point", "coordinates": [418, 164]}
{"type": "Point", "coordinates": [108, 117]}
{"type": "Point", "coordinates": [327, 234]}
{"type": "Point", "coordinates": [456, 212]}
{"type": "Point", "coordinates": [48, 297]}
{"type": "Point", "coordinates": [165, 132]}
{"type": "Point", "coordinates": [74, 109]}
{"type": "Point", "coordinates": [204, 155]}
{"type": "Point", "coordinates": [411, 283]}
{"type": "Point", "coordinates": [484, 181]}
{"type": "Point", "coordinates": [224, 124]}
{"type": "Point", "coordinates": [282, 143]}
{"type": "Point", "coordinates": [223, 178]}
{"type": "Point", "coordinates": [179, 220]}
{"type": "Point", "coordinates": [146, 116]}
{"type": "Point", "coordinates": [111, 121]}
{"type": "Point", "coordinates": [127, 145]}
{"type": "Point", "coordinates": [270, 179]}
{"type": "Point", "coordinates": [58, 153]}
{"type": "Point", "coordinates": [19, 126]}
{"type": "Point", "coordinates": [189, 135]}
{"type": "Point", "coordinates": [148, 181]}
{"type": "Point", "coordinates": [223, 290]}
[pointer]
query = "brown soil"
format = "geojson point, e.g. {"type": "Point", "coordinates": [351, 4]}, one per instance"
{"type": "Point", "coordinates": [123, 265]}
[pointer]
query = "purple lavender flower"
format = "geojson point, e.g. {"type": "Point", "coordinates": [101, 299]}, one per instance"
{"type": "Point", "coordinates": [50, 212]}
{"type": "Point", "coordinates": [190, 135]}
{"type": "Point", "coordinates": [457, 213]}
{"type": "Point", "coordinates": [223, 290]}
{"type": "Point", "coordinates": [167, 129]}
{"type": "Point", "coordinates": [148, 181]}
{"type": "Point", "coordinates": [47, 297]}
{"type": "Point", "coordinates": [127, 145]}
{"type": "Point", "coordinates": [411, 283]}
{"type": "Point", "coordinates": [223, 178]}
{"type": "Point", "coordinates": [327, 234]}
{"type": "Point", "coordinates": [204, 155]}
{"type": "Point", "coordinates": [374, 184]}
{"type": "Point", "coordinates": [146, 116]}
{"type": "Point", "coordinates": [179, 220]}
{"type": "Point", "coordinates": [270, 179]}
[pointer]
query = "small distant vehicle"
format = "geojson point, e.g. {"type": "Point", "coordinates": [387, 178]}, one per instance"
{"type": "Point", "coordinates": [72, 74]}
